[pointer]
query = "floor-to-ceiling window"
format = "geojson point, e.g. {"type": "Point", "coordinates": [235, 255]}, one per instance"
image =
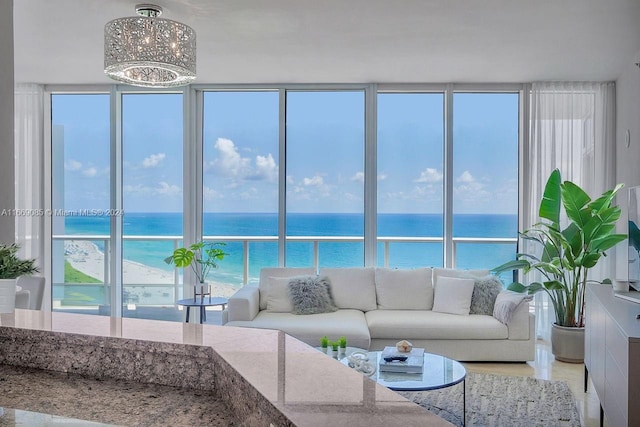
{"type": "Point", "coordinates": [410, 179]}
{"type": "Point", "coordinates": [285, 177]}
{"type": "Point", "coordinates": [240, 181]}
{"type": "Point", "coordinates": [325, 178]}
{"type": "Point", "coordinates": [152, 162]}
{"type": "Point", "coordinates": [80, 200]}
{"type": "Point", "coordinates": [485, 178]}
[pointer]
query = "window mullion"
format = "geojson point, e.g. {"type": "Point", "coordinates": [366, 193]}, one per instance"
{"type": "Point", "coordinates": [282, 177]}
{"type": "Point", "coordinates": [115, 247]}
{"type": "Point", "coordinates": [370, 174]}
{"type": "Point", "coordinates": [448, 244]}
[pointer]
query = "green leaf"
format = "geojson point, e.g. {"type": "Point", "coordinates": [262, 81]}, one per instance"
{"type": "Point", "coordinates": [182, 257]}
{"type": "Point", "coordinates": [551, 198]}
{"type": "Point", "coordinates": [553, 285]}
{"type": "Point", "coordinates": [604, 201]}
{"type": "Point", "coordinates": [517, 287]}
{"type": "Point", "coordinates": [512, 265]}
{"type": "Point", "coordinates": [574, 239]}
{"type": "Point", "coordinates": [607, 242]}
{"type": "Point", "coordinates": [574, 199]}
{"type": "Point", "coordinates": [534, 287]}
{"type": "Point", "coordinates": [590, 260]}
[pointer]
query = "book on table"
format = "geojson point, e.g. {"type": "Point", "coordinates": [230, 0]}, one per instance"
{"type": "Point", "coordinates": [411, 365]}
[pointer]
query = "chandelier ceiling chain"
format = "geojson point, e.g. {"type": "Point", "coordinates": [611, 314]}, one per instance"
{"type": "Point", "coordinates": [149, 51]}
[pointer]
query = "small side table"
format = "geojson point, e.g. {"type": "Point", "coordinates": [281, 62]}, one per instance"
{"type": "Point", "coordinates": [203, 303]}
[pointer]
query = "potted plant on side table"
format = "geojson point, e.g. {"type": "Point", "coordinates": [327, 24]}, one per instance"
{"type": "Point", "coordinates": [201, 256]}
{"type": "Point", "coordinates": [12, 267]}
{"type": "Point", "coordinates": [564, 257]}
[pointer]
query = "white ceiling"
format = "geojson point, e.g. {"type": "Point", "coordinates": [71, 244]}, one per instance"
{"type": "Point", "coordinates": [343, 41]}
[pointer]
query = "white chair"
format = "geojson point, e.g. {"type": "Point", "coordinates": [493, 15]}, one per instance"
{"type": "Point", "coordinates": [34, 287]}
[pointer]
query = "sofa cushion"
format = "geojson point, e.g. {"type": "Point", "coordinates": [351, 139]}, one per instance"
{"type": "Point", "coordinates": [485, 291]}
{"type": "Point", "coordinates": [350, 323]}
{"type": "Point", "coordinates": [453, 296]}
{"type": "Point", "coordinates": [353, 288]}
{"type": "Point", "coordinates": [404, 289]}
{"type": "Point", "coordinates": [418, 324]}
{"type": "Point", "coordinates": [278, 300]}
{"type": "Point", "coordinates": [454, 272]}
{"type": "Point", "coordinates": [265, 273]}
{"type": "Point", "coordinates": [311, 295]}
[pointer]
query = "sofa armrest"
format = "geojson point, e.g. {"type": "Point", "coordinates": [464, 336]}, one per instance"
{"type": "Point", "coordinates": [244, 304]}
{"type": "Point", "coordinates": [519, 324]}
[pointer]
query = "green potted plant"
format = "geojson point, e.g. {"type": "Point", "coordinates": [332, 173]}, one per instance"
{"type": "Point", "coordinates": [202, 257]}
{"type": "Point", "coordinates": [564, 256]}
{"type": "Point", "coordinates": [334, 348]}
{"type": "Point", "coordinates": [342, 342]}
{"type": "Point", "coordinates": [324, 343]}
{"type": "Point", "coordinates": [12, 267]}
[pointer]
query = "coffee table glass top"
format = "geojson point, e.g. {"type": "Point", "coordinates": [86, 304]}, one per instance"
{"type": "Point", "coordinates": [438, 372]}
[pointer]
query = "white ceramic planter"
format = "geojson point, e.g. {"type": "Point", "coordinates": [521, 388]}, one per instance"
{"type": "Point", "coordinates": [7, 295]}
{"type": "Point", "coordinates": [567, 344]}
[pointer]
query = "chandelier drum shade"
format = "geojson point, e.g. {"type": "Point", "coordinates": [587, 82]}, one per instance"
{"type": "Point", "coordinates": [149, 51]}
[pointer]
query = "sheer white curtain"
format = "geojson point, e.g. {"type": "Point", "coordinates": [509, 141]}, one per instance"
{"type": "Point", "coordinates": [572, 128]}
{"type": "Point", "coordinates": [29, 150]}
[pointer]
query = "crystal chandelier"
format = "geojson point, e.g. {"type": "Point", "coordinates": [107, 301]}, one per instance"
{"type": "Point", "coordinates": [149, 51]}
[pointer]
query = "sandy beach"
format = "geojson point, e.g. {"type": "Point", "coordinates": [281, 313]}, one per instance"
{"type": "Point", "coordinates": [86, 257]}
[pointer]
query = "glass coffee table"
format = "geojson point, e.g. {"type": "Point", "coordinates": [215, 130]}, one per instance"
{"type": "Point", "coordinates": [437, 372]}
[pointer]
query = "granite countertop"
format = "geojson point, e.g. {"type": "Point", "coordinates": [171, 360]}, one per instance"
{"type": "Point", "coordinates": [107, 401]}
{"type": "Point", "coordinates": [275, 370]}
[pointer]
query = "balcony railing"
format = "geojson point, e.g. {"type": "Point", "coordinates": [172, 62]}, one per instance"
{"type": "Point", "coordinates": [246, 240]}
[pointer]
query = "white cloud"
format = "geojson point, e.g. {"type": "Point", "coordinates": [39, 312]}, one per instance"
{"type": "Point", "coordinates": [382, 176]}
{"type": "Point", "coordinates": [138, 190]}
{"type": "Point", "coordinates": [469, 189]}
{"type": "Point", "coordinates": [168, 190]}
{"type": "Point", "coordinates": [72, 165]}
{"type": "Point", "coordinates": [266, 168]}
{"type": "Point", "coordinates": [230, 162]}
{"type": "Point", "coordinates": [90, 172]}
{"type": "Point", "coordinates": [429, 175]}
{"type": "Point", "coordinates": [163, 189]}
{"type": "Point", "coordinates": [153, 160]}
{"type": "Point", "coordinates": [211, 194]}
{"type": "Point", "coordinates": [359, 177]}
{"type": "Point", "coordinates": [466, 177]}
{"type": "Point", "coordinates": [315, 181]}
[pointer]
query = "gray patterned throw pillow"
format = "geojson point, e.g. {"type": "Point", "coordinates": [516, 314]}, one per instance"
{"type": "Point", "coordinates": [485, 292]}
{"type": "Point", "coordinates": [311, 295]}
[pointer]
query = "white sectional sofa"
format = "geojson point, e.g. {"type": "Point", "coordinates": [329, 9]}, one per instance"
{"type": "Point", "coordinates": [378, 307]}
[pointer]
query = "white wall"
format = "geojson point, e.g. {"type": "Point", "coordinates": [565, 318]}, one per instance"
{"type": "Point", "coordinates": [627, 159]}
{"type": "Point", "coordinates": [7, 179]}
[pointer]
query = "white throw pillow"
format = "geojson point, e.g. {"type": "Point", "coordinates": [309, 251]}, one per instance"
{"type": "Point", "coordinates": [267, 272]}
{"type": "Point", "coordinates": [278, 300]}
{"type": "Point", "coordinates": [352, 287]}
{"type": "Point", "coordinates": [404, 289]}
{"type": "Point", "coordinates": [453, 295]}
{"type": "Point", "coordinates": [454, 272]}
{"type": "Point", "coordinates": [507, 302]}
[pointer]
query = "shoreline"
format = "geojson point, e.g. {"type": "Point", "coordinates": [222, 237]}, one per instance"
{"type": "Point", "coordinates": [87, 258]}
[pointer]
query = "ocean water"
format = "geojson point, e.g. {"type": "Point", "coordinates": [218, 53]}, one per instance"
{"type": "Point", "coordinates": [331, 254]}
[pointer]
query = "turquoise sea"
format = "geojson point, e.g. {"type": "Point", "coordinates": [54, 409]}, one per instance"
{"type": "Point", "coordinates": [331, 254]}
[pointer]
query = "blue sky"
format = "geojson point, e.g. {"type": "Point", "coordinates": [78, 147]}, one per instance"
{"type": "Point", "coordinates": [325, 139]}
